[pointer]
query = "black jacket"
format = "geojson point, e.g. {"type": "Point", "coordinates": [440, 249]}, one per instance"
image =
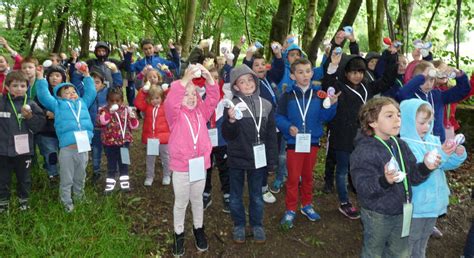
{"type": "Point", "coordinates": [9, 125]}
{"type": "Point", "coordinates": [367, 171]}
{"type": "Point", "coordinates": [343, 127]}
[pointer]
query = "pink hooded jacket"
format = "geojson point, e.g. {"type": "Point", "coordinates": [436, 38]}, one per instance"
{"type": "Point", "coordinates": [180, 144]}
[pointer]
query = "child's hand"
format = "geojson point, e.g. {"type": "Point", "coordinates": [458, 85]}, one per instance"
{"type": "Point", "coordinates": [435, 164]}
{"type": "Point", "coordinates": [171, 44]}
{"type": "Point", "coordinates": [334, 98]}
{"type": "Point", "coordinates": [293, 130]}
{"type": "Point", "coordinates": [49, 115]}
{"type": "Point", "coordinates": [189, 74]}
{"type": "Point", "coordinates": [111, 66]}
{"type": "Point", "coordinates": [351, 37]}
{"type": "Point", "coordinates": [448, 147]}
{"type": "Point", "coordinates": [39, 72]}
{"type": "Point", "coordinates": [276, 48]}
{"type": "Point", "coordinates": [390, 175]}
{"type": "Point", "coordinates": [204, 44]}
{"type": "Point", "coordinates": [392, 49]}
{"type": "Point", "coordinates": [26, 112]}
{"type": "Point", "coordinates": [335, 58]}
{"type": "Point", "coordinates": [231, 114]}
{"type": "Point", "coordinates": [206, 75]}
{"type": "Point", "coordinates": [460, 150]}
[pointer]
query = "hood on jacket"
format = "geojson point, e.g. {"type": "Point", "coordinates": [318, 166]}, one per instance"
{"type": "Point", "coordinates": [61, 85]}
{"type": "Point", "coordinates": [55, 69]}
{"type": "Point", "coordinates": [104, 45]}
{"type": "Point", "coordinates": [292, 46]}
{"type": "Point", "coordinates": [239, 71]}
{"type": "Point", "coordinates": [408, 110]}
{"type": "Point", "coordinates": [371, 55]}
{"type": "Point", "coordinates": [345, 60]}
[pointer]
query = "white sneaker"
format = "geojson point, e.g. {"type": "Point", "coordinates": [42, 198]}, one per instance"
{"type": "Point", "coordinates": [166, 180]}
{"type": "Point", "coordinates": [148, 181]}
{"type": "Point", "coordinates": [268, 197]}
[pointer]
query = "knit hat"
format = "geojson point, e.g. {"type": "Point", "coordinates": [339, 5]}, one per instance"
{"type": "Point", "coordinates": [239, 71]}
{"type": "Point", "coordinates": [56, 69]}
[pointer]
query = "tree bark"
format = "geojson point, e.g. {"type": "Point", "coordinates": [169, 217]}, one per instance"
{"type": "Point", "coordinates": [63, 18]}
{"type": "Point", "coordinates": [310, 24]}
{"type": "Point", "coordinates": [281, 21]}
{"type": "Point", "coordinates": [403, 21]}
{"type": "Point", "coordinates": [375, 27]}
{"type": "Point", "coordinates": [86, 27]}
{"type": "Point", "coordinates": [351, 13]}
{"type": "Point", "coordinates": [35, 38]}
{"type": "Point", "coordinates": [188, 26]}
{"type": "Point", "coordinates": [322, 30]}
{"type": "Point", "coordinates": [425, 34]}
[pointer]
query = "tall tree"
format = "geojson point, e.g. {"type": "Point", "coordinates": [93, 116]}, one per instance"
{"type": "Point", "coordinates": [63, 19]}
{"type": "Point", "coordinates": [403, 21]}
{"type": "Point", "coordinates": [322, 30]}
{"type": "Point", "coordinates": [188, 26]}
{"type": "Point", "coordinates": [351, 13]}
{"type": "Point", "coordinates": [281, 21]}
{"type": "Point", "coordinates": [375, 27]}
{"type": "Point", "coordinates": [309, 25]}
{"type": "Point", "coordinates": [86, 27]}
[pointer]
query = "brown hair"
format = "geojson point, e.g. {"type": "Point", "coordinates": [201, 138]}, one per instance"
{"type": "Point", "coordinates": [15, 76]}
{"type": "Point", "coordinates": [421, 67]}
{"type": "Point", "coordinates": [145, 79]}
{"type": "Point", "coordinates": [301, 61]}
{"type": "Point", "coordinates": [153, 93]}
{"type": "Point", "coordinates": [425, 108]}
{"type": "Point", "coordinates": [30, 60]}
{"type": "Point", "coordinates": [369, 113]}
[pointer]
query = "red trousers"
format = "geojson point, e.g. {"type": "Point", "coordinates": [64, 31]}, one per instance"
{"type": "Point", "coordinates": [300, 165]}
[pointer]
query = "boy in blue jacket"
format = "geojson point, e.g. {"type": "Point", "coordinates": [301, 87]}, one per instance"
{"type": "Point", "coordinates": [430, 198]}
{"type": "Point", "coordinates": [421, 87]}
{"type": "Point", "coordinates": [74, 129]}
{"type": "Point", "coordinates": [300, 118]}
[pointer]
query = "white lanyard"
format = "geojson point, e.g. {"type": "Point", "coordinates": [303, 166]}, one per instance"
{"type": "Point", "coordinates": [155, 113]}
{"type": "Point", "coordinates": [195, 136]}
{"type": "Point", "coordinates": [422, 142]}
{"type": "Point", "coordinates": [364, 100]}
{"type": "Point", "coordinates": [269, 88]}
{"type": "Point", "coordinates": [432, 102]}
{"type": "Point", "coordinates": [303, 115]}
{"type": "Point", "coordinates": [124, 127]}
{"type": "Point", "coordinates": [253, 117]}
{"type": "Point", "coordinates": [77, 115]}
{"type": "Point", "coordinates": [371, 78]}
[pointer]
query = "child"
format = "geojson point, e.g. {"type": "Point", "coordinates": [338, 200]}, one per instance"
{"type": "Point", "coordinates": [251, 150]}
{"type": "Point", "coordinates": [382, 199]}
{"type": "Point", "coordinates": [155, 127]}
{"type": "Point", "coordinates": [372, 58]}
{"type": "Point", "coordinates": [28, 67]}
{"type": "Point", "coordinates": [348, 76]}
{"type": "Point", "coordinates": [402, 66]}
{"type": "Point", "coordinates": [117, 122]}
{"type": "Point", "coordinates": [4, 66]}
{"type": "Point", "coordinates": [421, 87]}
{"type": "Point", "coordinates": [300, 114]}
{"type": "Point", "coordinates": [430, 198]}
{"type": "Point", "coordinates": [20, 118]}
{"type": "Point", "coordinates": [74, 130]}
{"type": "Point", "coordinates": [190, 149]}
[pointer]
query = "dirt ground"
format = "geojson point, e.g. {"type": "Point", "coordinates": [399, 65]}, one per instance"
{"type": "Point", "coordinates": [151, 209]}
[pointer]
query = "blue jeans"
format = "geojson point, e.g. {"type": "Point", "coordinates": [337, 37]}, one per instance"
{"type": "Point", "coordinates": [382, 235]}
{"type": "Point", "coordinates": [96, 151]}
{"type": "Point", "coordinates": [49, 149]}
{"type": "Point", "coordinates": [282, 170]}
{"type": "Point", "coordinates": [254, 181]}
{"type": "Point", "coordinates": [342, 168]}
{"type": "Point", "coordinates": [114, 161]}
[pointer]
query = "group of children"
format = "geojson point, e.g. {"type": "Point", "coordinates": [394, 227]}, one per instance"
{"type": "Point", "coordinates": [250, 120]}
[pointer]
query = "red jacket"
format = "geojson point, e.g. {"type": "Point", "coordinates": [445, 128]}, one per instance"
{"type": "Point", "coordinates": [162, 130]}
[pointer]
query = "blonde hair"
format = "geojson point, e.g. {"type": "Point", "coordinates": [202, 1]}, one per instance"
{"type": "Point", "coordinates": [421, 67]}
{"type": "Point", "coordinates": [145, 79]}
{"type": "Point", "coordinates": [425, 108]}
{"type": "Point", "coordinates": [155, 91]}
{"type": "Point", "coordinates": [369, 113]}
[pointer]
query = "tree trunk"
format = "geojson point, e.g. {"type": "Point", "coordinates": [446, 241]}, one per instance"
{"type": "Point", "coordinates": [322, 30]}
{"type": "Point", "coordinates": [8, 15]}
{"type": "Point", "coordinates": [351, 13]}
{"type": "Point", "coordinates": [391, 30]}
{"type": "Point", "coordinates": [281, 21]}
{"type": "Point", "coordinates": [403, 21]}
{"type": "Point", "coordinates": [374, 28]}
{"type": "Point", "coordinates": [86, 27]}
{"type": "Point", "coordinates": [310, 24]}
{"type": "Point", "coordinates": [188, 26]}
{"type": "Point", "coordinates": [35, 38]}
{"type": "Point", "coordinates": [431, 20]}
{"type": "Point", "coordinates": [63, 18]}
{"type": "Point", "coordinates": [20, 17]}
{"type": "Point", "coordinates": [216, 46]}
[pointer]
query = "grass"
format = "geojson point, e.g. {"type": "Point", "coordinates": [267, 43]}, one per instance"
{"type": "Point", "coordinates": [97, 227]}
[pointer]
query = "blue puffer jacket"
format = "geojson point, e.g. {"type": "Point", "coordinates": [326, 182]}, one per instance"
{"type": "Point", "coordinates": [65, 122]}
{"type": "Point", "coordinates": [437, 98]}
{"type": "Point", "coordinates": [430, 198]}
{"type": "Point", "coordinates": [286, 80]}
{"type": "Point", "coordinates": [288, 113]}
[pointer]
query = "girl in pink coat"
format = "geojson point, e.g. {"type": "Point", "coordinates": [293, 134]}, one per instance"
{"type": "Point", "coordinates": [189, 149]}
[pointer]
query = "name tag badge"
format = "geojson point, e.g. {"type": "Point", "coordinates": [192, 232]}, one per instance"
{"type": "Point", "coordinates": [303, 143]}
{"type": "Point", "coordinates": [213, 136]}
{"type": "Point", "coordinates": [259, 156]}
{"type": "Point", "coordinates": [125, 156]}
{"type": "Point", "coordinates": [196, 169]}
{"type": "Point", "coordinates": [407, 215]}
{"type": "Point", "coordinates": [22, 144]}
{"type": "Point", "coordinates": [82, 141]}
{"type": "Point", "coordinates": [5, 114]}
{"type": "Point", "coordinates": [153, 147]}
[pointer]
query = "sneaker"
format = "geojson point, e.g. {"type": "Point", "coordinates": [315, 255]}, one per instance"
{"type": "Point", "coordinates": [436, 233]}
{"type": "Point", "coordinates": [24, 205]}
{"type": "Point", "coordinates": [166, 180]}
{"type": "Point", "coordinates": [148, 181]}
{"type": "Point", "coordinates": [178, 245]}
{"type": "Point", "coordinates": [347, 210]}
{"type": "Point", "coordinates": [124, 183]}
{"type": "Point", "coordinates": [239, 234]}
{"type": "Point", "coordinates": [328, 188]}
{"type": "Point", "coordinates": [69, 208]}
{"type": "Point", "coordinates": [206, 199]}
{"type": "Point", "coordinates": [268, 197]}
{"type": "Point", "coordinates": [276, 186]}
{"type": "Point", "coordinates": [200, 239]}
{"type": "Point", "coordinates": [259, 235]}
{"type": "Point", "coordinates": [287, 220]}
{"type": "Point", "coordinates": [309, 212]}
{"type": "Point", "coordinates": [109, 185]}
{"type": "Point", "coordinates": [226, 204]}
